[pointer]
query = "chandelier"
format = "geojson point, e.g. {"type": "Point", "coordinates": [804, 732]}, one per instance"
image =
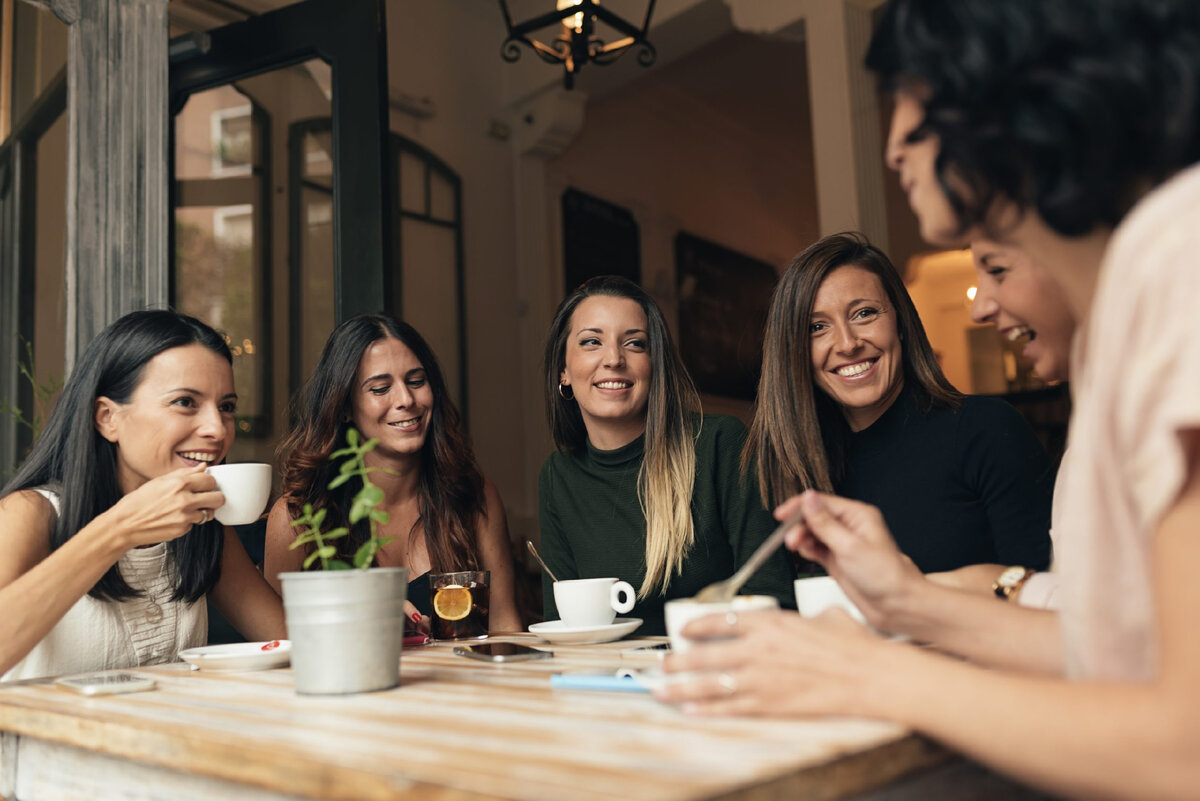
{"type": "Point", "coordinates": [578, 41]}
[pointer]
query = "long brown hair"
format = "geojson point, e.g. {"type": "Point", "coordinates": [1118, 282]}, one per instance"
{"type": "Point", "coordinates": [450, 487]}
{"type": "Point", "coordinates": [668, 473]}
{"type": "Point", "coordinates": [798, 438]}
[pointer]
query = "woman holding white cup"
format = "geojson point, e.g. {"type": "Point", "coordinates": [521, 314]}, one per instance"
{"type": "Point", "coordinates": [111, 546]}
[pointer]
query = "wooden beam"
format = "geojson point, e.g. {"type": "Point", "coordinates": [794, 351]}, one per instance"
{"type": "Point", "coordinates": [6, 55]}
{"type": "Point", "coordinates": [117, 201]}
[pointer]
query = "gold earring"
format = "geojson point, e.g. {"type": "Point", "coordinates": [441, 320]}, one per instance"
{"type": "Point", "coordinates": [564, 395]}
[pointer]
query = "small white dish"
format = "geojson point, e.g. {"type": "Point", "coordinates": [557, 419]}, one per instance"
{"type": "Point", "coordinates": [556, 631]}
{"type": "Point", "coordinates": [240, 655]}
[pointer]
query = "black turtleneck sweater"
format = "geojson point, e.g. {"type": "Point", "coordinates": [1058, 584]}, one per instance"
{"type": "Point", "coordinates": [593, 527]}
{"type": "Point", "coordinates": [955, 487]}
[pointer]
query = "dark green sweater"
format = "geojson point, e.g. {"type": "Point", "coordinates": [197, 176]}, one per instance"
{"type": "Point", "coordinates": [593, 526]}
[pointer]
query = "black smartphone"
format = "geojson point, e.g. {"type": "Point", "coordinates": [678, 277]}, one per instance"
{"type": "Point", "coordinates": [502, 652]}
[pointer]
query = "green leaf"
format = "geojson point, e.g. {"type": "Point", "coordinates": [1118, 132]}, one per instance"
{"type": "Point", "coordinates": [336, 564]}
{"type": "Point", "coordinates": [352, 437]}
{"type": "Point", "coordinates": [340, 480]}
{"type": "Point", "coordinates": [312, 557]}
{"type": "Point", "coordinates": [327, 552]}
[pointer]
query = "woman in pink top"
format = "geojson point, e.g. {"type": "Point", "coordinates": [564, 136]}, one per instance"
{"type": "Point", "coordinates": [1071, 131]}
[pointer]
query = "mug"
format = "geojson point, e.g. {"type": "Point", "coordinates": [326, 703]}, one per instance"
{"type": "Point", "coordinates": [246, 488]}
{"type": "Point", "coordinates": [682, 610]}
{"type": "Point", "coordinates": [592, 602]}
{"type": "Point", "coordinates": [815, 595]}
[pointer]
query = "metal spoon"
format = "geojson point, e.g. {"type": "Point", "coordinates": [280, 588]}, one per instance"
{"type": "Point", "coordinates": [723, 591]}
{"type": "Point", "coordinates": [532, 550]}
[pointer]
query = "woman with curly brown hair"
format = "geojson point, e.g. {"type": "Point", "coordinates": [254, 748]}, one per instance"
{"type": "Point", "coordinates": [378, 375]}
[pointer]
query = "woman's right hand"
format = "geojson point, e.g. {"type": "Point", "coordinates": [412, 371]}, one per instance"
{"type": "Point", "coordinates": [166, 507]}
{"type": "Point", "coordinates": [851, 541]}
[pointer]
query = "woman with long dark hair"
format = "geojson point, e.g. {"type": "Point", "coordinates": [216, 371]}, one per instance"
{"type": "Point", "coordinates": [378, 375]}
{"type": "Point", "coordinates": [109, 541]}
{"type": "Point", "coordinates": [1071, 131]}
{"type": "Point", "coordinates": [852, 400]}
{"type": "Point", "coordinates": [642, 487]}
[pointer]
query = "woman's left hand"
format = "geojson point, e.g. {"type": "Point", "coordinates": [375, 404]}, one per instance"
{"type": "Point", "coordinates": [776, 664]}
{"type": "Point", "coordinates": [414, 621]}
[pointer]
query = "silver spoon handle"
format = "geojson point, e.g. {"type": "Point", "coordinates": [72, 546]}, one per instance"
{"type": "Point", "coordinates": [537, 556]}
{"type": "Point", "coordinates": [763, 552]}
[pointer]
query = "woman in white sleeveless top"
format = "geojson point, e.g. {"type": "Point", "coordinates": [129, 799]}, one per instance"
{"type": "Point", "coordinates": [107, 543]}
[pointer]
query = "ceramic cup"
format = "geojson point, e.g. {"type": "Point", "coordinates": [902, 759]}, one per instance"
{"type": "Point", "coordinates": [592, 602]}
{"type": "Point", "coordinates": [246, 488]}
{"type": "Point", "coordinates": [815, 595]}
{"type": "Point", "coordinates": [682, 610]}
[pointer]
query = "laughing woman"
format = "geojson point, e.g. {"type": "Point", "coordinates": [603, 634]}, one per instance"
{"type": "Point", "coordinates": [852, 400]}
{"type": "Point", "coordinates": [380, 376]}
{"type": "Point", "coordinates": [642, 488]}
{"type": "Point", "coordinates": [109, 541]}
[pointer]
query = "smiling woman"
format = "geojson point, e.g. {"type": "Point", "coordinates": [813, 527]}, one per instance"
{"type": "Point", "coordinates": [643, 488]}
{"type": "Point", "coordinates": [110, 546]}
{"type": "Point", "coordinates": [852, 399]}
{"type": "Point", "coordinates": [379, 375]}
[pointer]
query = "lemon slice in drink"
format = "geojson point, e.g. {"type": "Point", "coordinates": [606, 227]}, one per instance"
{"type": "Point", "coordinates": [452, 602]}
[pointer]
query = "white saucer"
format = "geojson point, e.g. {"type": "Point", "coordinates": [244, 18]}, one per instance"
{"type": "Point", "coordinates": [239, 656]}
{"type": "Point", "coordinates": [558, 632]}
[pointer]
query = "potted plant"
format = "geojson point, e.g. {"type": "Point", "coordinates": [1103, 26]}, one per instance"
{"type": "Point", "coordinates": [345, 621]}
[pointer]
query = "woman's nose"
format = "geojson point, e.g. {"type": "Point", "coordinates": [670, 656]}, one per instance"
{"type": "Point", "coordinates": [983, 307]}
{"type": "Point", "coordinates": [402, 398]}
{"type": "Point", "coordinates": [846, 340]}
{"type": "Point", "coordinates": [614, 357]}
{"type": "Point", "coordinates": [211, 423]}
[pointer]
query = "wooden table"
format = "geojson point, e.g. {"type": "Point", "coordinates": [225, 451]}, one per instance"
{"type": "Point", "coordinates": [454, 729]}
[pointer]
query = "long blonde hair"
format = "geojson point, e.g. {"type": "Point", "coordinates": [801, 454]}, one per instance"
{"type": "Point", "coordinates": [668, 473]}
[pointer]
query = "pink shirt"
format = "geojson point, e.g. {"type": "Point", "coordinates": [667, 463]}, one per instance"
{"type": "Point", "coordinates": [1136, 385]}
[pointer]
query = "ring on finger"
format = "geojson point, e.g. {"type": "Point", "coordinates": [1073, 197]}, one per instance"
{"type": "Point", "coordinates": [205, 516]}
{"type": "Point", "coordinates": [728, 683]}
{"type": "Point", "coordinates": [731, 619]}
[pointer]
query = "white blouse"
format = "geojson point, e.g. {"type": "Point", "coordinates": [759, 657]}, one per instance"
{"type": "Point", "coordinates": [100, 635]}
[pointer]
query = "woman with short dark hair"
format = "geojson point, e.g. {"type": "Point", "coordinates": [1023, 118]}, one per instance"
{"type": "Point", "coordinates": [1071, 131]}
{"type": "Point", "coordinates": [109, 541]}
{"type": "Point", "coordinates": [853, 400]}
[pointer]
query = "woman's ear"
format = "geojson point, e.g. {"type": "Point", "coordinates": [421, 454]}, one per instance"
{"type": "Point", "coordinates": [105, 414]}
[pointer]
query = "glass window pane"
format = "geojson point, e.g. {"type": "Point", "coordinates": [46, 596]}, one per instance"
{"type": "Point", "coordinates": [412, 184]}
{"type": "Point", "coordinates": [442, 197]}
{"type": "Point", "coordinates": [430, 291]}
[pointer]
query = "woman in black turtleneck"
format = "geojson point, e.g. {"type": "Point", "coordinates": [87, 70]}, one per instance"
{"type": "Point", "coordinates": [853, 401]}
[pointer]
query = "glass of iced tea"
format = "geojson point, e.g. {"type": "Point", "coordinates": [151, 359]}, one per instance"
{"type": "Point", "coordinates": [460, 605]}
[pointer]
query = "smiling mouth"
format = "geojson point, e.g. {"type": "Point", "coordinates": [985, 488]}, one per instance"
{"type": "Point", "coordinates": [412, 424]}
{"type": "Point", "coordinates": [1019, 331]}
{"type": "Point", "coordinates": [198, 456]}
{"type": "Point", "coordinates": [852, 370]}
{"type": "Point", "coordinates": [614, 384]}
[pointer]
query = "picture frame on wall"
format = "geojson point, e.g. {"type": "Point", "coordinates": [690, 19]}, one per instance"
{"type": "Point", "coordinates": [724, 297]}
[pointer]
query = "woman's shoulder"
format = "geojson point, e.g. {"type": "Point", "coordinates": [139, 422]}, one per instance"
{"type": "Point", "coordinates": [989, 410]}
{"type": "Point", "coordinates": [721, 427]}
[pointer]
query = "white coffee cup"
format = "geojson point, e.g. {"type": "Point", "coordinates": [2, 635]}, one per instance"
{"type": "Point", "coordinates": [246, 488]}
{"type": "Point", "coordinates": [592, 602]}
{"type": "Point", "coordinates": [682, 610]}
{"type": "Point", "coordinates": [815, 595]}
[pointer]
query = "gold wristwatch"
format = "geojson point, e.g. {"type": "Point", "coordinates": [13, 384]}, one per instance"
{"type": "Point", "coordinates": [1010, 581]}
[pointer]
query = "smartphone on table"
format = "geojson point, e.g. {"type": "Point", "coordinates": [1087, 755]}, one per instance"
{"type": "Point", "coordinates": [106, 683]}
{"type": "Point", "coordinates": [502, 652]}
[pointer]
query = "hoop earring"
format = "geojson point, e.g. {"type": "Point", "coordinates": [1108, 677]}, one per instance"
{"type": "Point", "coordinates": [564, 395]}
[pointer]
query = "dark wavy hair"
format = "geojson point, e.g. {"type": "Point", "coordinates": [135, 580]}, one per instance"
{"type": "Point", "coordinates": [72, 459]}
{"type": "Point", "coordinates": [1069, 107]}
{"type": "Point", "coordinates": [451, 497]}
{"type": "Point", "coordinates": [799, 436]}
